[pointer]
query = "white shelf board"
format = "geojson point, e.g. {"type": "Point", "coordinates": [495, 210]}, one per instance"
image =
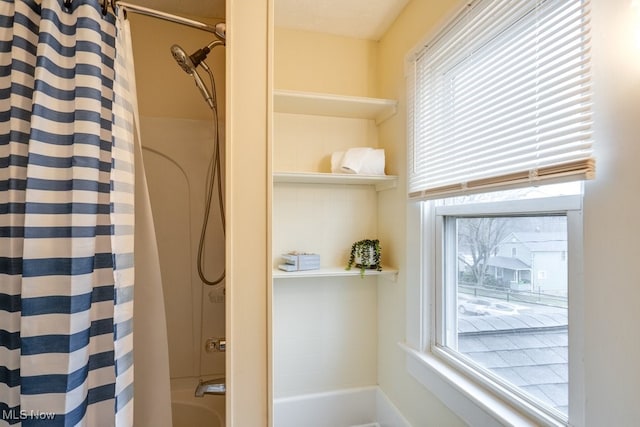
{"type": "Point", "coordinates": [324, 104]}
{"type": "Point", "coordinates": [332, 272]}
{"type": "Point", "coordinates": [382, 182]}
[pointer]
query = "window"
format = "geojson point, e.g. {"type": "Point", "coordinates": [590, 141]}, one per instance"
{"type": "Point", "coordinates": [500, 135]}
{"type": "Point", "coordinates": [509, 329]}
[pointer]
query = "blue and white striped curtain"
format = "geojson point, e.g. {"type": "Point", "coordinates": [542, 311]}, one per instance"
{"type": "Point", "coordinates": [66, 216]}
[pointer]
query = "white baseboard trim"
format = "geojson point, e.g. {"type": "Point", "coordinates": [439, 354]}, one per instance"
{"type": "Point", "coordinates": [354, 407]}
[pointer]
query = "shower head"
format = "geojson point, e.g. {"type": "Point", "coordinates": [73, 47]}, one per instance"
{"type": "Point", "coordinates": [190, 62]}
{"type": "Point", "coordinates": [186, 63]}
{"type": "Point", "coordinates": [182, 59]}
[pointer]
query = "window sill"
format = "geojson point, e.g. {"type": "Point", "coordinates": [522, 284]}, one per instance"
{"type": "Point", "coordinates": [474, 404]}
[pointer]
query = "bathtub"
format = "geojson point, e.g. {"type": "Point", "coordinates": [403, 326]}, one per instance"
{"type": "Point", "coordinates": [356, 407]}
{"type": "Point", "coordinates": [191, 411]}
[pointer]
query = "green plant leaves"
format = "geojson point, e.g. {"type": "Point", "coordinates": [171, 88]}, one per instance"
{"type": "Point", "coordinates": [369, 252]}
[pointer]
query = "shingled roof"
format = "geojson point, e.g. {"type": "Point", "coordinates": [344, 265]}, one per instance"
{"type": "Point", "coordinates": [530, 351]}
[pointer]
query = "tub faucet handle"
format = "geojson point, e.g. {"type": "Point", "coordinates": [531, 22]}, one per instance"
{"type": "Point", "coordinates": [215, 344]}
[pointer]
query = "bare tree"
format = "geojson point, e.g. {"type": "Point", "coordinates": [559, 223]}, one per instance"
{"type": "Point", "coordinates": [479, 238]}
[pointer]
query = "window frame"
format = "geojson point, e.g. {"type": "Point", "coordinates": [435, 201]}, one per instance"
{"type": "Point", "coordinates": [461, 387]}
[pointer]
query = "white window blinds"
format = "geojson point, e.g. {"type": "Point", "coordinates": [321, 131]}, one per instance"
{"type": "Point", "coordinates": [501, 98]}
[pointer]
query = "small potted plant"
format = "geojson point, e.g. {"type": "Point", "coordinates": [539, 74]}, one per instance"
{"type": "Point", "coordinates": [365, 254]}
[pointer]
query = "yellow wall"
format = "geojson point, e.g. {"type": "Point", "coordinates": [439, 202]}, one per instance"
{"type": "Point", "coordinates": [164, 90]}
{"type": "Point", "coordinates": [417, 21]}
{"type": "Point", "coordinates": [317, 62]}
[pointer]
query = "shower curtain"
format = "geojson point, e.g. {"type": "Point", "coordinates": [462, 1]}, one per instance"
{"type": "Point", "coordinates": [66, 215]}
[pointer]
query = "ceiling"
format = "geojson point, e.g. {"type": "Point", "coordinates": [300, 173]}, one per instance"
{"type": "Point", "coordinates": [365, 19]}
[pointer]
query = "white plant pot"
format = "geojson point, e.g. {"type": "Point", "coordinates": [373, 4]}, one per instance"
{"type": "Point", "coordinates": [371, 265]}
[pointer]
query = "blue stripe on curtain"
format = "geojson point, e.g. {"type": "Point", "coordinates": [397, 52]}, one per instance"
{"type": "Point", "coordinates": [57, 383]}
{"type": "Point", "coordinates": [13, 135]}
{"type": "Point", "coordinates": [66, 209]}
{"type": "Point", "coordinates": [56, 232]}
{"type": "Point", "coordinates": [13, 184]}
{"type": "Point", "coordinates": [44, 344]}
{"type": "Point", "coordinates": [69, 185]}
{"type": "Point", "coordinates": [69, 139]}
{"type": "Point", "coordinates": [10, 267]}
{"type": "Point", "coordinates": [17, 65]}
{"type": "Point", "coordinates": [9, 377]}
{"type": "Point", "coordinates": [10, 303]}
{"type": "Point", "coordinates": [13, 160]}
{"type": "Point", "coordinates": [62, 208]}
{"type": "Point", "coordinates": [11, 208]}
{"type": "Point", "coordinates": [16, 112]}
{"type": "Point", "coordinates": [65, 304]}
{"type": "Point", "coordinates": [78, 266]}
{"type": "Point", "coordinates": [10, 340]}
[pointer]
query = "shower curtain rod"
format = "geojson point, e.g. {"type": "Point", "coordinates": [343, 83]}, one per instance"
{"type": "Point", "coordinates": [165, 16]}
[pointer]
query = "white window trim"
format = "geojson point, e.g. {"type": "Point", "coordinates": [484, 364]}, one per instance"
{"type": "Point", "coordinates": [472, 400]}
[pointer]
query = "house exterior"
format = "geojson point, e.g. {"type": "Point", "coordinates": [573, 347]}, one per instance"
{"type": "Point", "coordinates": [533, 261]}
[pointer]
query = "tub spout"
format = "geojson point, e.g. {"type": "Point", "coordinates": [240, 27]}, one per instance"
{"type": "Point", "coordinates": [215, 386]}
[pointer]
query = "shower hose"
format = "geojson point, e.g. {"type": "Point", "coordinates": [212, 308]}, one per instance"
{"type": "Point", "coordinates": [214, 175]}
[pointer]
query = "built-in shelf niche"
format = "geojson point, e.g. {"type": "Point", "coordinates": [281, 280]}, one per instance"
{"type": "Point", "coordinates": [339, 106]}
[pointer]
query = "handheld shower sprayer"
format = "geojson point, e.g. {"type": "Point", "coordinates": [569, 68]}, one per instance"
{"type": "Point", "coordinates": [189, 63]}
{"type": "Point", "coordinates": [186, 63]}
{"type": "Point", "coordinates": [182, 59]}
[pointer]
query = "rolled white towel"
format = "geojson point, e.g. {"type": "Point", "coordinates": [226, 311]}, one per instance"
{"type": "Point", "coordinates": [336, 161]}
{"type": "Point", "coordinates": [368, 161]}
{"type": "Point", "coordinates": [354, 159]}
{"type": "Point", "coordinates": [374, 163]}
